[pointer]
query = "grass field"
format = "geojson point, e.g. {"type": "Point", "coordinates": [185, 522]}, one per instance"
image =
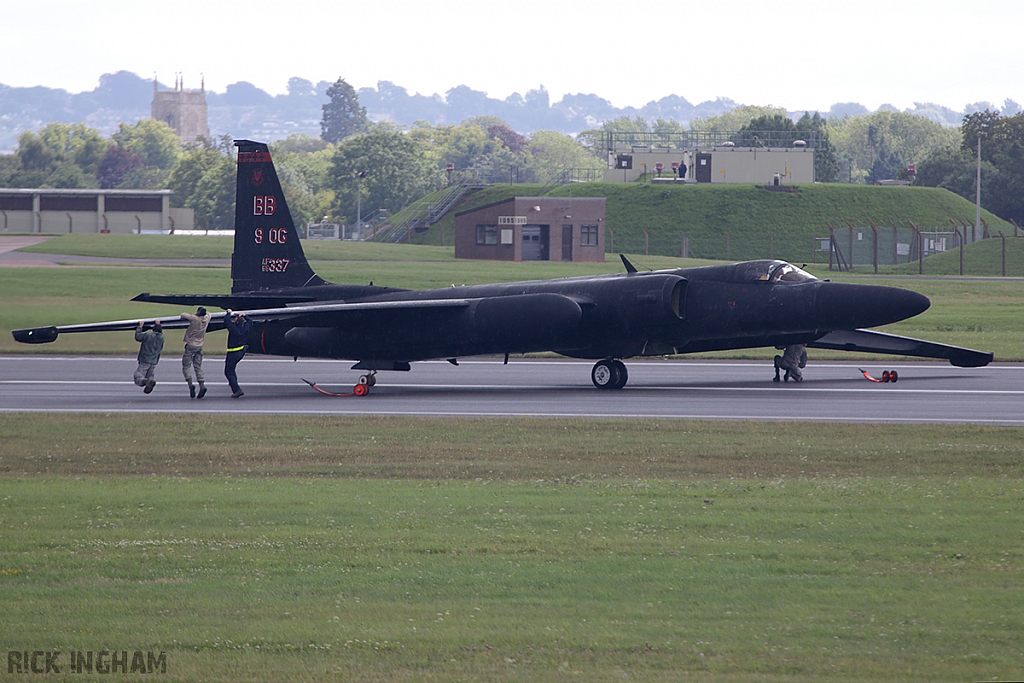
{"type": "Point", "coordinates": [399, 549]}
{"type": "Point", "coordinates": [396, 549]}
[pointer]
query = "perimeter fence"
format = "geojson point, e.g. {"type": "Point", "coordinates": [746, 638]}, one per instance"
{"type": "Point", "coordinates": [850, 246]}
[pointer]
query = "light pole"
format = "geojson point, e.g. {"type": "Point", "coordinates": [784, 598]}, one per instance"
{"type": "Point", "coordinates": [359, 196]}
{"type": "Point", "coordinates": [977, 193]}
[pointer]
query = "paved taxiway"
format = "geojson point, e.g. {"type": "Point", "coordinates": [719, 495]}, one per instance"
{"type": "Point", "coordinates": [925, 392]}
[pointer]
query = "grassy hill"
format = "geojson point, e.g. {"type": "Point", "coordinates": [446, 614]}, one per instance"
{"type": "Point", "coordinates": [980, 258]}
{"type": "Point", "coordinates": [737, 221]}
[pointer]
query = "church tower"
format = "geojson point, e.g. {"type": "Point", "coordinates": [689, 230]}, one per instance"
{"type": "Point", "coordinates": [183, 110]}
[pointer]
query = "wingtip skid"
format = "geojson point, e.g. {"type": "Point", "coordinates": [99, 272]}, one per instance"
{"type": "Point", "coordinates": [36, 335]}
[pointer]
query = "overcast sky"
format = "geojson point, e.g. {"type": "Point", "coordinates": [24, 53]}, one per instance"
{"type": "Point", "coordinates": [795, 54]}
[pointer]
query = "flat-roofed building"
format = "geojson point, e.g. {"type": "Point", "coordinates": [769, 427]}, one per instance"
{"type": "Point", "coordinates": [718, 157]}
{"type": "Point", "coordinates": [533, 229]}
{"type": "Point", "coordinates": [56, 211]}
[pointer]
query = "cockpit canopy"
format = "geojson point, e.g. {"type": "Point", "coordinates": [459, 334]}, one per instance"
{"type": "Point", "coordinates": [770, 270]}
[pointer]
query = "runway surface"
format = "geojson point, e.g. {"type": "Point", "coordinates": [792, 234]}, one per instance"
{"type": "Point", "coordinates": [727, 390]}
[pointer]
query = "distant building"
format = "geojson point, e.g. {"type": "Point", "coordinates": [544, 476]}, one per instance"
{"type": "Point", "coordinates": [183, 110]}
{"type": "Point", "coordinates": [50, 211]}
{"type": "Point", "coordinates": [710, 157]}
{"type": "Point", "coordinates": [533, 229]}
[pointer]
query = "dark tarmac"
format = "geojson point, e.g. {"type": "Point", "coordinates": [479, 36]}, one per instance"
{"type": "Point", "coordinates": [719, 390]}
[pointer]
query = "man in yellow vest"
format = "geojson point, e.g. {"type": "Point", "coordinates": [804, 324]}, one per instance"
{"type": "Point", "coordinates": [238, 327]}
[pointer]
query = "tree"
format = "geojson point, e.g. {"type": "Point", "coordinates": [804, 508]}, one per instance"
{"type": "Point", "coordinates": [595, 141]}
{"type": "Point", "coordinates": [152, 140]}
{"type": "Point", "coordinates": [204, 180]}
{"type": "Point", "coordinates": [510, 139]}
{"type": "Point", "coordinates": [667, 126]}
{"type": "Point", "coordinates": [117, 162]}
{"type": "Point", "coordinates": [343, 116]}
{"type": "Point", "coordinates": [484, 145]}
{"type": "Point", "coordinates": [550, 153]}
{"type": "Point", "coordinates": [214, 197]}
{"type": "Point", "coordinates": [880, 145]}
{"type": "Point", "coordinates": [752, 133]}
{"type": "Point", "coordinates": [624, 124]}
{"type": "Point", "coordinates": [396, 171]}
{"type": "Point", "coordinates": [460, 145]}
{"type": "Point", "coordinates": [826, 163]}
{"type": "Point", "coordinates": [9, 166]}
{"type": "Point", "coordinates": [1002, 145]}
{"type": "Point", "coordinates": [61, 155]}
{"type": "Point", "coordinates": [303, 166]}
{"type": "Point", "coordinates": [735, 119]}
{"type": "Point", "coordinates": [298, 143]}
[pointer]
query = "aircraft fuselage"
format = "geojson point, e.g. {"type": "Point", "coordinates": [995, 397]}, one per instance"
{"type": "Point", "coordinates": [609, 316]}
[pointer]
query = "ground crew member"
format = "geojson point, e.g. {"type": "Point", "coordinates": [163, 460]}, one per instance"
{"type": "Point", "coordinates": [792, 361]}
{"type": "Point", "coordinates": [150, 347]}
{"type": "Point", "coordinates": [192, 358]}
{"type": "Point", "coordinates": [238, 327]}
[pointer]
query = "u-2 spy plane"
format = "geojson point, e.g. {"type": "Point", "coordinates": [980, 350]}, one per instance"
{"type": "Point", "coordinates": [607, 318]}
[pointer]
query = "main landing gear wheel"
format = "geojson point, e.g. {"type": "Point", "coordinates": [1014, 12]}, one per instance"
{"type": "Point", "coordinates": [609, 374]}
{"type": "Point", "coordinates": [368, 380]}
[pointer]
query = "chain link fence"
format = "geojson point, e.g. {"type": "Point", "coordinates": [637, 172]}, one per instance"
{"type": "Point", "coordinates": [864, 248]}
{"type": "Point", "coordinates": [853, 246]}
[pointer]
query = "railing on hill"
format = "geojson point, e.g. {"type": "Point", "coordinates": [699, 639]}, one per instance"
{"type": "Point", "coordinates": [426, 212]}
{"type": "Point", "coordinates": [693, 139]}
{"type": "Point", "coordinates": [572, 175]}
{"type": "Point", "coordinates": [372, 224]}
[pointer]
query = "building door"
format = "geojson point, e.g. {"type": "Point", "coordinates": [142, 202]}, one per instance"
{"type": "Point", "coordinates": [567, 243]}
{"type": "Point", "coordinates": [535, 247]}
{"type": "Point", "coordinates": [702, 172]}
{"type": "Point", "coordinates": [531, 243]}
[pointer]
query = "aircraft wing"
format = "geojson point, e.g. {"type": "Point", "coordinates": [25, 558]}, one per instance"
{"type": "Point", "coordinates": [238, 302]}
{"type": "Point", "coordinates": [313, 315]}
{"type": "Point", "coordinates": [869, 341]}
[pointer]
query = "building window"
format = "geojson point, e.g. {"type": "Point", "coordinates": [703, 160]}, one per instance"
{"type": "Point", "coordinates": [588, 236]}
{"type": "Point", "coordinates": [487, 234]}
{"type": "Point", "coordinates": [18, 202]}
{"type": "Point", "coordinates": [64, 203]}
{"type": "Point", "coordinates": [132, 204]}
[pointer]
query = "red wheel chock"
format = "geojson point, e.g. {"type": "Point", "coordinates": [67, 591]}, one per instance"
{"type": "Point", "coordinates": [357, 390]}
{"type": "Point", "coordinates": [887, 375]}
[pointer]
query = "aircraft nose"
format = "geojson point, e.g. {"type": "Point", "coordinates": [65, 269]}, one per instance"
{"type": "Point", "coordinates": [843, 306]}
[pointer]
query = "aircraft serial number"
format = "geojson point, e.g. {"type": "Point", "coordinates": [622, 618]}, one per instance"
{"type": "Point", "coordinates": [275, 265]}
{"type": "Point", "coordinates": [273, 235]}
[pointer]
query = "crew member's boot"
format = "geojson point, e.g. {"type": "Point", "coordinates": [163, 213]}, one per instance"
{"type": "Point", "coordinates": [191, 389]}
{"type": "Point", "coordinates": [202, 390]}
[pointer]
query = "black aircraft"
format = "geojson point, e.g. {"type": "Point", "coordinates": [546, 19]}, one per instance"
{"type": "Point", "coordinates": [607, 317]}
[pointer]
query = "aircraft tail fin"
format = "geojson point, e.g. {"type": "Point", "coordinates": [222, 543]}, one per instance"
{"type": "Point", "coordinates": [268, 254]}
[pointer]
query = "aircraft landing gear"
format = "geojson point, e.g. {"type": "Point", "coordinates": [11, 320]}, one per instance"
{"type": "Point", "coordinates": [369, 379]}
{"type": "Point", "coordinates": [609, 374]}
